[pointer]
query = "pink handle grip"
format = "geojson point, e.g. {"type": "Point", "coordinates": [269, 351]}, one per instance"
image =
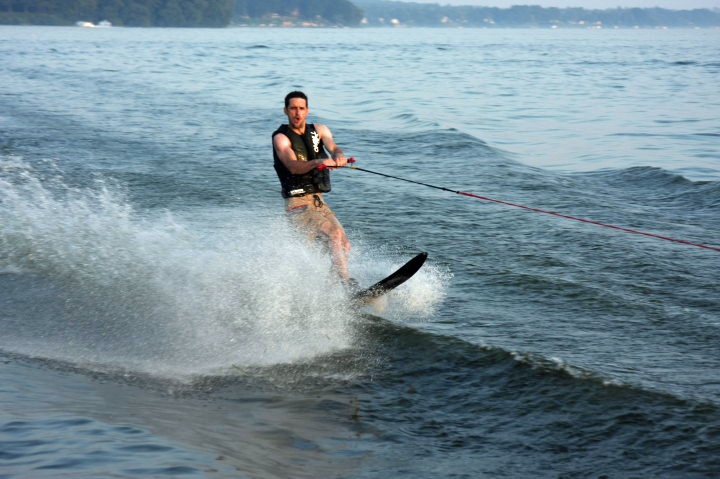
{"type": "Point", "coordinates": [322, 167]}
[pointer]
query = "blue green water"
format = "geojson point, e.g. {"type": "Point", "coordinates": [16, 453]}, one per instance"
{"type": "Point", "coordinates": [158, 318]}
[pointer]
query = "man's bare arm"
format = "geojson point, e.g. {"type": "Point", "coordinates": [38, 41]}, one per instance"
{"type": "Point", "coordinates": [335, 151]}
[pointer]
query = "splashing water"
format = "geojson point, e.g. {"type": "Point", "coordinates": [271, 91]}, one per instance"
{"type": "Point", "coordinates": [104, 285]}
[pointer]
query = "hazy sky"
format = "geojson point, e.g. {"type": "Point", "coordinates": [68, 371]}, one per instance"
{"type": "Point", "coordinates": [589, 4]}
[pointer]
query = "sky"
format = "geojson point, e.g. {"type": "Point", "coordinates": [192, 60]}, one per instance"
{"type": "Point", "coordinates": [588, 4]}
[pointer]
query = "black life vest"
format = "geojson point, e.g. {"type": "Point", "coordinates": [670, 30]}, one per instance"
{"type": "Point", "coordinates": [307, 147]}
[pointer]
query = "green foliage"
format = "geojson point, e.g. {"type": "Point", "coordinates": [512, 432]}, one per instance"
{"type": "Point", "coordinates": [337, 12]}
{"type": "Point", "coordinates": [140, 13]}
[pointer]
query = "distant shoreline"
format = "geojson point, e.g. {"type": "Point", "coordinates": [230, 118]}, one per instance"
{"type": "Point", "coordinates": [356, 14]}
{"type": "Point", "coordinates": [372, 27]}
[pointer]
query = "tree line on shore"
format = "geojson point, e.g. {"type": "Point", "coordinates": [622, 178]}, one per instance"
{"type": "Point", "coordinates": [175, 13]}
{"type": "Point", "coordinates": [136, 13]}
{"type": "Point", "coordinates": [221, 13]}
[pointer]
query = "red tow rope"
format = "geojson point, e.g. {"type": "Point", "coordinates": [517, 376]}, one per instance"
{"type": "Point", "coordinates": [352, 160]}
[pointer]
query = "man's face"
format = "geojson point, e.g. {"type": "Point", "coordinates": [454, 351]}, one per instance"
{"type": "Point", "coordinates": [296, 112]}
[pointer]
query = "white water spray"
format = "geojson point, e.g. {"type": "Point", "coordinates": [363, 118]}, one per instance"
{"type": "Point", "coordinates": [107, 285]}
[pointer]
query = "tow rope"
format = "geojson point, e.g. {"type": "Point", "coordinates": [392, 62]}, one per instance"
{"type": "Point", "coordinates": [352, 160]}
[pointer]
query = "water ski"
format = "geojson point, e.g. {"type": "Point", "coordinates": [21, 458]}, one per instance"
{"type": "Point", "coordinates": [391, 282]}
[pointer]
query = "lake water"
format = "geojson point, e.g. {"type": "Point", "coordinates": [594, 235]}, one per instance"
{"type": "Point", "coordinates": [158, 318]}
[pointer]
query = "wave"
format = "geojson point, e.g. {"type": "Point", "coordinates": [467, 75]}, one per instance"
{"type": "Point", "coordinates": [462, 396]}
{"type": "Point", "coordinates": [454, 144]}
{"type": "Point", "coordinates": [382, 350]}
{"type": "Point", "coordinates": [661, 187]}
{"type": "Point", "coordinates": [434, 353]}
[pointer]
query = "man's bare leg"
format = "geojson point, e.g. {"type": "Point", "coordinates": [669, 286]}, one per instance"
{"type": "Point", "coordinates": [339, 248]}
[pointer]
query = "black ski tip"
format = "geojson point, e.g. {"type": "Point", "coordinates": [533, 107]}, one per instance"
{"type": "Point", "coordinates": [397, 278]}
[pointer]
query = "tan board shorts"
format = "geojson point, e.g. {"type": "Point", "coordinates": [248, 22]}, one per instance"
{"type": "Point", "coordinates": [311, 215]}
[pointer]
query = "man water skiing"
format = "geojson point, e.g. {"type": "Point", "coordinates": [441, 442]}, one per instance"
{"type": "Point", "coordinates": [299, 149]}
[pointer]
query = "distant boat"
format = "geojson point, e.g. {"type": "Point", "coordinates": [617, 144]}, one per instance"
{"type": "Point", "coordinates": [102, 24]}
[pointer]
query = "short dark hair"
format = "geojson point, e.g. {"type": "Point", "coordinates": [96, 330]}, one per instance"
{"type": "Point", "coordinates": [295, 94]}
